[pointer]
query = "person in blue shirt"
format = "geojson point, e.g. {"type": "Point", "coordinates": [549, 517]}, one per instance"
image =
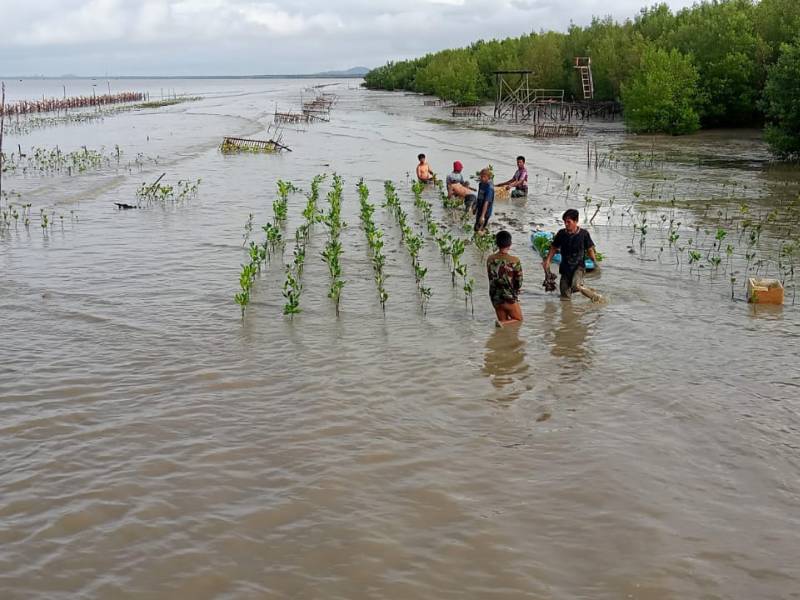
{"type": "Point", "coordinates": [483, 209]}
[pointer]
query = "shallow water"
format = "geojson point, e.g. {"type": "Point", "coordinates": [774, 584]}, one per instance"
{"type": "Point", "coordinates": [157, 446]}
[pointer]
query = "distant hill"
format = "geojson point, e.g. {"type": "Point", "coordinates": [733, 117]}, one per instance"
{"type": "Point", "coordinates": [354, 72]}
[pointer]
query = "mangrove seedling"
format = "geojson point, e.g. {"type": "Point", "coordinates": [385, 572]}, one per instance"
{"type": "Point", "coordinates": [291, 291]}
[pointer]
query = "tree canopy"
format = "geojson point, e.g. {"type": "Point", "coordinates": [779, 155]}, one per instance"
{"type": "Point", "coordinates": [781, 104]}
{"type": "Point", "coordinates": [661, 96]}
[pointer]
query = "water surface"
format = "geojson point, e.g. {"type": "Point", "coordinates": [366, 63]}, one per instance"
{"type": "Point", "coordinates": [157, 446]}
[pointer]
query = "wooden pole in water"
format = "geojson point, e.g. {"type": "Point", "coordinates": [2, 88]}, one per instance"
{"type": "Point", "coordinates": [2, 126]}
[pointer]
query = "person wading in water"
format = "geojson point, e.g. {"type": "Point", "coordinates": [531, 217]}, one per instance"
{"type": "Point", "coordinates": [505, 281]}
{"type": "Point", "coordinates": [575, 244]}
{"type": "Point", "coordinates": [424, 173]}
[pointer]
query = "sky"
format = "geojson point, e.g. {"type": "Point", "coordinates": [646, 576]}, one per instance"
{"type": "Point", "coordinates": [246, 37]}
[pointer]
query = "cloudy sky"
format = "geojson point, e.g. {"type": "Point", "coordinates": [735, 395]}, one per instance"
{"type": "Point", "coordinates": [241, 37]}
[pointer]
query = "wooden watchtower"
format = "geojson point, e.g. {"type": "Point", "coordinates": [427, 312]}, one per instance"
{"type": "Point", "coordinates": [584, 66]}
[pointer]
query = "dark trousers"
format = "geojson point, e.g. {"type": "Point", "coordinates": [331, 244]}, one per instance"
{"type": "Point", "coordinates": [570, 281]}
{"type": "Point", "coordinates": [479, 210]}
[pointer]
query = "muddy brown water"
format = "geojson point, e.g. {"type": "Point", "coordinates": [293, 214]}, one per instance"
{"type": "Point", "coordinates": [156, 446]}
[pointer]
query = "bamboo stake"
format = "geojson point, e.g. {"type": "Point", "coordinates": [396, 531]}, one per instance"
{"type": "Point", "coordinates": [2, 125]}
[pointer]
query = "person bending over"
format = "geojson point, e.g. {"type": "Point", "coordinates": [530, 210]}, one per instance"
{"type": "Point", "coordinates": [458, 186]}
{"type": "Point", "coordinates": [505, 281]}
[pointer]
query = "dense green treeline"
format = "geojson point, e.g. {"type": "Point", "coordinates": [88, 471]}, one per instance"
{"type": "Point", "coordinates": [709, 65]}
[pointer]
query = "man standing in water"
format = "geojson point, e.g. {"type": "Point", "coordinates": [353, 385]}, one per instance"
{"type": "Point", "coordinates": [424, 173]}
{"type": "Point", "coordinates": [574, 243]}
{"type": "Point", "coordinates": [519, 181]}
{"type": "Point", "coordinates": [505, 281]}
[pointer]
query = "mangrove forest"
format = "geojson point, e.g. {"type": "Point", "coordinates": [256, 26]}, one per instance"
{"type": "Point", "coordinates": [720, 63]}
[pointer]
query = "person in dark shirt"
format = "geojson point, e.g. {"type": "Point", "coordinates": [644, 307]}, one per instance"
{"type": "Point", "coordinates": [574, 243]}
{"type": "Point", "coordinates": [505, 281]}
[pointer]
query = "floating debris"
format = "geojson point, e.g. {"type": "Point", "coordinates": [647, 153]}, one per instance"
{"type": "Point", "coordinates": [234, 144]}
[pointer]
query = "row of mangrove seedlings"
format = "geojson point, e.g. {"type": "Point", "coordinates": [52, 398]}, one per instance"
{"type": "Point", "coordinates": [184, 189]}
{"type": "Point", "coordinates": [16, 214]}
{"type": "Point", "coordinates": [333, 247]}
{"type": "Point", "coordinates": [412, 241]}
{"type": "Point", "coordinates": [293, 285]}
{"type": "Point", "coordinates": [375, 242]}
{"type": "Point", "coordinates": [41, 161]}
{"type": "Point", "coordinates": [451, 245]}
{"type": "Point", "coordinates": [261, 253]}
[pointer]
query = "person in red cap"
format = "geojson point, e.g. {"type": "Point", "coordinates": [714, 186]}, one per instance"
{"type": "Point", "coordinates": [458, 186]}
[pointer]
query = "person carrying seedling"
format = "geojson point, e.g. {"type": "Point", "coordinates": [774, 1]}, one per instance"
{"type": "Point", "coordinates": [424, 173]}
{"type": "Point", "coordinates": [458, 186]}
{"type": "Point", "coordinates": [505, 281]}
{"type": "Point", "coordinates": [519, 181]}
{"type": "Point", "coordinates": [574, 243]}
{"type": "Point", "coordinates": [485, 203]}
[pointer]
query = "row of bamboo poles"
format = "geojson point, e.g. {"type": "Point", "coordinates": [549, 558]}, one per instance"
{"type": "Point", "coordinates": [26, 107]}
{"type": "Point", "coordinates": [469, 111]}
{"type": "Point", "coordinates": [549, 130]}
{"type": "Point", "coordinates": [314, 110]}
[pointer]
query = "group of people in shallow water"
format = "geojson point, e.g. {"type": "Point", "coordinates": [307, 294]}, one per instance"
{"type": "Point", "coordinates": [479, 201]}
{"type": "Point", "coordinates": [504, 269]}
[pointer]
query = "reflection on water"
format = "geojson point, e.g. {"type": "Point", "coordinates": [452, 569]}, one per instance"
{"type": "Point", "coordinates": [504, 359]}
{"type": "Point", "coordinates": [766, 311]}
{"type": "Point", "coordinates": [568, 322]}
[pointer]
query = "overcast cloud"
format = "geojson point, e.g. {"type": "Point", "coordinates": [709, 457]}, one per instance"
{"type": "Point", "coordinates": [242, 37]}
